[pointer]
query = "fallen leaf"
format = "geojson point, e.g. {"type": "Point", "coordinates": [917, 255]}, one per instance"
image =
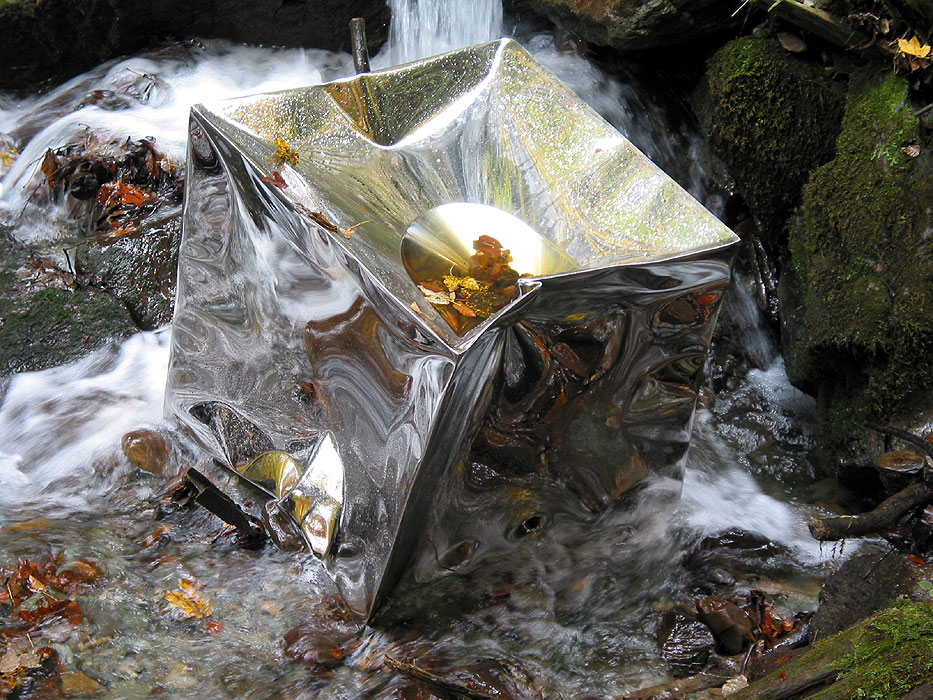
{"type": "Point", "coordinates": [437, 298]}
{"type": "Point", "coordinates": [913, 48]}
{"type": "Point", "coordinates": [275, 178]}
{"type": "Point", "coordinates": [464, 309]}
{"type": "Point", "coordinates": [284, 153]}
{"type": "Point", "coordinates": [189, 601]}
{"type": "Point", "coordinates": [913, 150]}
{"type": "Point", "coordinates": [214, 626]}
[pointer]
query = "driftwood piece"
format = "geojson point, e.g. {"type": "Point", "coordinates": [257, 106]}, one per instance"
{"type": "Point", "coordinates": [676, 689]}
{"type": "Point", "coordinates": [433, 682]}
{"type": "Point", "coordinates": [924, 445]}
{"type": "Point", "coordinates": [887, 512]}
{"type": "Point", "coordinates": [816, 21]}
{"type": "Point", "coordinates": [211, 498]}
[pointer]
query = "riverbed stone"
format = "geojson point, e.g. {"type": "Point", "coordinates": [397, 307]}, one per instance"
{"type": "Point", "coordinates": [863, 585]}
{"type": "Point", "coordinates": [637, 24]}
{"type": "Point", "coordinates": [46, 318]}
{"type": "Point", "coordinates": [860, 250]}
{"type": "Point", "coordinates": [685, 643]}
{"type": "Point", "coordinates": [772, 117]}
{"type": "Point", "coordinates": [56, 39]}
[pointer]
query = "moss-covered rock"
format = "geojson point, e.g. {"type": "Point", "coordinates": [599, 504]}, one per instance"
{"type": "Point", "coordinates": [861, 251]}
{"type": "Point", "coordinates": [137, 270]}
{"type": "Point", "coordinates": [772, 118]}
{"type": "Point", "coordinates": [881, 658]}
{"type": "Point", "coordinates": [48, 321]}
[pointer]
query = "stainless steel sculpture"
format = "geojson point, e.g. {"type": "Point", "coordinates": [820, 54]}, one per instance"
{"type": "Point", "coordinates": [306, 357]}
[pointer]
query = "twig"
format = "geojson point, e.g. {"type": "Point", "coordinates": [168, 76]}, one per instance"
{"type": "Point", "coordinates": [923, 110]}
{"type": "Point", "coordinates": [902, 434]}
{"type": "Point", "coordinates": [888, 511]}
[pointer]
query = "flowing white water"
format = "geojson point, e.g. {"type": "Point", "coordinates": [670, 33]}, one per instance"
{"type": "Point", "coordinates": [422, 28]}
{"type": "Point", "coordinates": [60, 428]}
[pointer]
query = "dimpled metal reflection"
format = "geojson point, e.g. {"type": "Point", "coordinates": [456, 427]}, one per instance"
{"type": "Point", "coordinates": [305, 357]}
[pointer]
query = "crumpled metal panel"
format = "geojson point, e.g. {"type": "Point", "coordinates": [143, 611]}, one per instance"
{"type": "Point", "coordinates": [297, 319]}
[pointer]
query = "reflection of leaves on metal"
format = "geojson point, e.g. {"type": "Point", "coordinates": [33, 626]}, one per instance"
{"type": "Point", "coordinates": [275, 471]}
{"type": "Point", "coordinates": [188, 602]}
{"type": "Point", "coordinates": [311, 495]}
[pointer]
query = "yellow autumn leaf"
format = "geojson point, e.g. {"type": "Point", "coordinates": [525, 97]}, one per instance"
{"type": "Point", "coordinates": [189, 601]}
{"type": "Point", "coordinates": [453, 283]}
{"type": "Point", "coordinates": [913, 47]}
{"type": "Point", "coordinates": [284, 153]}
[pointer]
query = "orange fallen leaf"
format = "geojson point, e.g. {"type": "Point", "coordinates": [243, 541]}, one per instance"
{"type": "Point", "coordinates": [275, 178]}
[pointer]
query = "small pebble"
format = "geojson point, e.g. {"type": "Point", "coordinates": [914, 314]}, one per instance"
{"type": "Point", "coordinates": [75, 684]}
{"type": "Point", "coordinates": [148, 450]}
{"type": "Point", "coordinates": [734, 685]}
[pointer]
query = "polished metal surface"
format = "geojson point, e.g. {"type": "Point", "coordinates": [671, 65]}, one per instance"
{"type": "Point", "coordinates": [311, 216]}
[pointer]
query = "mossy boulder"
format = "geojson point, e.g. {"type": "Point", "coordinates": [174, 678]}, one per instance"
{"type": "Point", "coordinates": [138, 270]}
{"type": "Point", "coordinates": [881, 658]}
{"type": "Point", "coordinates": [860, 249]}
{"type": "Point", "coordinates": [45, 318]}
{"type": "Point", "coordinates": [636, 24]}
{"type": "Point", "coordinates": [772, 118]}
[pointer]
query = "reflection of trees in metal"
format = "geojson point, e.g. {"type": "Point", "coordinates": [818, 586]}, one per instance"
{"type": "Point", "coordinates": [445, 448]}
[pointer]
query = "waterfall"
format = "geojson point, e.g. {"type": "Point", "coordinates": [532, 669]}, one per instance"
{"type": "Point", "coordinates": [423, 28]}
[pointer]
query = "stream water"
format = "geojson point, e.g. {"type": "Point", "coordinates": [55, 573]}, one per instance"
{"type": "Point", "coordinates": [578, 619]}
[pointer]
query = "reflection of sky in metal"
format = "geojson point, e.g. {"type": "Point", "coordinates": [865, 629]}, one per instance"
{"type": "Point", "coordinates": [449, 231]}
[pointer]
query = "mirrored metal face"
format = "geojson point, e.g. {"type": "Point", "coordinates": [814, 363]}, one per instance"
{"type": "Point", "coordinates": [317, 221]}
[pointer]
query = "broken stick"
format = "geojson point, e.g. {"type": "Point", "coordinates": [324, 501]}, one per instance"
{"type": "Point", "coordinates": [885, 515]}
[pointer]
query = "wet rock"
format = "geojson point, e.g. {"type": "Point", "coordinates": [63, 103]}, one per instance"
{"type": "Point", "coordinates": [860, 250]}
{"type": "Point", "coordinates": [280, 527]}
{"type": "Point", "coordinates": [148, 450]}
{"type": "Point", "coordinates": [636, 24]}
{"type": "Point", "coordinates": [716, 557]}
{"type": "Point", "coordinates": [59, 38]}
{"type": "Point", "coordinates": [734, 685]}
{"type": "Point", "coordinates": [45, 318]}
{"type": "Point", "coordinates": [728, 622]}
{"type": "Point", "coordinates": [685, 643]}
{"type": "Point", "coordinates": [77, 684]}
{"type": "Point", "coordinates": [863, 585]}
{"type": "Point", "coordinates": [772, 119]}
{"type": "Point", "coordinates": [137, 270]}
{"type": "Point", "coordinates": [323, 641]}
{"type": "Point", "coordinates": [792, 42]}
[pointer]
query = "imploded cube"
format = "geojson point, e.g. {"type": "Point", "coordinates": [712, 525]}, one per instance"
{"type": "Point", "coordinates": [311, 218]}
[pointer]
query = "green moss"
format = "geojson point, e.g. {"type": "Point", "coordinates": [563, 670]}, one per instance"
{"type": "Point", "coordinates": [860, 251]}
{"type": "Point", "coordinates": [879, 658]}
{"type": "Point", "coordinates": [773, 119]}
{"type": "Point", "coordinates": [891, 655]}
{"type": "Point", "coordinates": [49, 326]}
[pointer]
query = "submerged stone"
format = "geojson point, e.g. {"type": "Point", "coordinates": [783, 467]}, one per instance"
{"type": "Point", "coordinates": [327, 230]}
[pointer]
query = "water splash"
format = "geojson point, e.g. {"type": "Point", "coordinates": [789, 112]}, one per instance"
{"type": "Point", "coordinates": [146, 96]}
{"type": "Point", "coordinates": [422, 28]}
